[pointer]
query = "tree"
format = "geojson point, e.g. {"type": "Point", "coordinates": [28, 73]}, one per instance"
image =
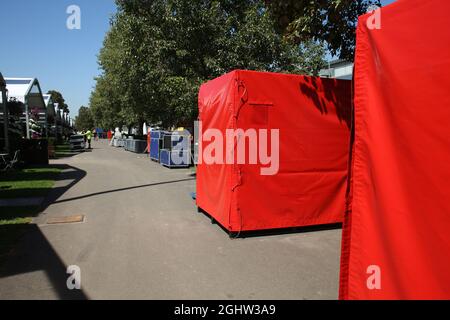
{"type": "Point", "coordinates": [332, 22]}
{"type": "Point", "coordinates": [157, 54]}
{"type": "Point", "coordinates": [15, 107]}
{"type": "Point", "coordinates": [84, 119]}
{"type": "Point", "coordinates": [105, 105]}
{"type": "Point", "coordinates": [58, 98]}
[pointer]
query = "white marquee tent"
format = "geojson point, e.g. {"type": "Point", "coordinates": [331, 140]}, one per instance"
{"type": "Point", "coordinates": [28, 91]}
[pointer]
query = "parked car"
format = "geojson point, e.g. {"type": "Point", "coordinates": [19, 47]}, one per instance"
{"type": "Point", "coordinates": [77, 142]}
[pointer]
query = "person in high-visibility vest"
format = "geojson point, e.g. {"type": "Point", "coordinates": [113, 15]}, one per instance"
{"type": "Point", "coordinates": [89, 138]}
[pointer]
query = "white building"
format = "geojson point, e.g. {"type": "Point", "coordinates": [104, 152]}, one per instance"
{"type": "Point", "coordinates": [338, 69]}
{"type": "Point", "coordinates": [28, 91]}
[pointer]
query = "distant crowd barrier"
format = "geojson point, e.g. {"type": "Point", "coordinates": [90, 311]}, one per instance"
{"type": "Point", "coordinates": [171, 149]}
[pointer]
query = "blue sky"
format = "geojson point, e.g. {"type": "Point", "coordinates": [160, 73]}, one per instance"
{"type": "Point", "coordinates": [36, 43]}
{"type": "Point", "coordinates": [386, 2]}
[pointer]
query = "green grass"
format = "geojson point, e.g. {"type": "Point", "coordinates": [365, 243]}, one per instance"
{"type": "Point", "coordinates": [15, 221]}
{"type": "Point", "coordinates": [31, 182]}
{"type": "Point", "coordinates": [36, 182]}
{"type": "Point", "coordinates": [17, 215]}
{"type": "Point", "coordinates": [65, 147]}
{"type": "Point", "coordinates": [64, 151]}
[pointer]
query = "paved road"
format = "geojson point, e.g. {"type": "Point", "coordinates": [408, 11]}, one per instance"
{"type": "Point", "coordinates": [143, 239]}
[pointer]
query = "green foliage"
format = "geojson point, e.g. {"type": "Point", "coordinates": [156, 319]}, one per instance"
{"type": "Point", "coordinates": [57, 97]}
{"type": "Point", "coordinates": [332, 22]}
{"type": "Point", "coordinates": [84, 120]}
{"type": "Point", "coordinates": [105, 103]}
{"type": "Point", "coordinates": [15, 107]}
{"type": "Point", "coordinates": [157, 54]}
{"type": "Point", "coordinates": [35, 182]}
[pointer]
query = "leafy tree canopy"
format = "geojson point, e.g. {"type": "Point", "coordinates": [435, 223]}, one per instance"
{"type": "Point", "coordinates": [331, 21]}
{"type": "Point", "coordinates": [84, 120]}
{"type": "Point", "coordinates": [157, 53]}
{"type": "Point", "coordinates": [58, 98]}
{"type": "Point", "coordinates": [15, 107]}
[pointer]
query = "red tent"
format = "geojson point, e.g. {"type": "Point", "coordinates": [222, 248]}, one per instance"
{"type": "Point", "coordinates": [396, 242]}
{"type": "Point", "coordinates": [312, 116]}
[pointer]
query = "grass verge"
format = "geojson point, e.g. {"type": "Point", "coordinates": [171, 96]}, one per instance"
{"type": "Point", "coordinates": [64, 151]}
{"type": "Point", "coordinates": [33, 182]}
{"type": "Point", "coordinates": [24, 183]}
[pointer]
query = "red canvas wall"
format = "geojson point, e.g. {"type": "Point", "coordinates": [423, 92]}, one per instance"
{"type": "Point", "coordinates": [399, 213]}
{"type": "Point", "coordinates": [312, 115]}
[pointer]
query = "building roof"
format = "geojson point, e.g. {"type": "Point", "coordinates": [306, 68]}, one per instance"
{"type": "Point", "coordinates": [19, 88]}
{"type": "Point", "coordinates": [337, 62]}
{"type": "Point", "coordinates": [2, 86]}
{"type": "Point", "coordinates": [339, 69]}
{"type": "Point", "coordinates": [48, 101]}
{"type": "Point", "coordinates": [25, 90]}
{"type": "Point", "coordinates": [2, 81]}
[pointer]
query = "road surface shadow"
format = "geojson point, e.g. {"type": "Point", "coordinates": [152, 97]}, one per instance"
{"type": "Point", "coordinates": [35, 253]}
{"type": "Point", "coordinates": [123, 189]}
{"type": "Point", "coordinates": [272, 232]}
{"type": "Point", "coordinates": [70, 173]}
{"type": "Point", "coordinates": [26, 249]}
{"type": "Point", "coordinates": [67, 153]}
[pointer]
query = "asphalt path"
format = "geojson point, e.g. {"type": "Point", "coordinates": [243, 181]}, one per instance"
{"type": "Point", "coordinates": [142, 238]}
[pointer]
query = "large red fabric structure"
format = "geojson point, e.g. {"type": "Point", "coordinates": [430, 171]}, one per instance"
{"type": "Point", "coordinates": [312, 115]}
{"type": "Point", "coordinates": [396, 242]}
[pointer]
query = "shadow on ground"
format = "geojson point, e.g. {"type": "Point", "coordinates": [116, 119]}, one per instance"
{"type": "Point", "coordinates": [64, 151]}
{"type": "Point", "coordinates": [73, 174]}
{"type": "Point", "coordinates": [24, 248]}
{"type": "Point", "coordinates": [36, 254]}
{"type": "Point", "coordinates": [272, 232]}
{"type": "Point", "coordinates": [124, 189]}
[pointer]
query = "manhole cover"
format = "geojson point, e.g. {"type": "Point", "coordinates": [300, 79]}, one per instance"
{"type": "Point", "coordinates": [65, 220]}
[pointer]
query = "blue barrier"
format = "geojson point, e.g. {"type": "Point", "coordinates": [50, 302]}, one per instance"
{"type": "Point", "coordinates": [176, 149]}
{"type": "Point", "coordinates": [156, 144]}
